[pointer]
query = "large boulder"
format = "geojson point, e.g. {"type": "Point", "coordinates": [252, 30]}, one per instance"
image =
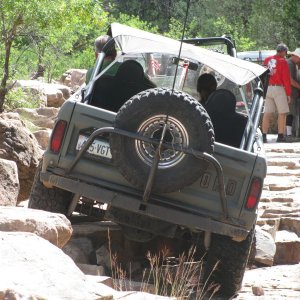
{"type": "Point", "coordinates": [40, 121]}
{"type": "Point", "coordinates": [287, 248]}
{"type": "Point", "coordinates": [40, 118]}
{"type": "Point", "coordinates": [265, 247]}
{"type": "Point", "coordinates": [55, 228]}
{"type": "Point", "coordinates": [43, 137]}
{"type": "Point", "coordinates": [55, 97]}
{"type": "Point", "coordinates": [81, 250]}
{"type": "Point", "coordinates": [9, 183]}
{"type": "Point", "coordinates": [269, 225]}
{"type": "Point", "coordinates": [33, 89]}
{"type": "Point", "coordinates": [291, 224]}
{"type": "Point", "coordinates": [73, 78]}
{"type": "Point", "coordinates": [53, 94]}
{"type": "Point", "coordinates": [33, 268]}
{"type": "Point", "coordinates": [18, 144]}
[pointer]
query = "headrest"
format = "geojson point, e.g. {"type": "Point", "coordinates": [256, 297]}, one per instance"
{"type": "Point", "coordinates": [130, 71]}
{"type": "Point", "coordinates": [221, 101]}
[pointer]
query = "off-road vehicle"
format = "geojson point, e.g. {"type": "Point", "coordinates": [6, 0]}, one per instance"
{"type": "Point", "coordinates": [152, 165]}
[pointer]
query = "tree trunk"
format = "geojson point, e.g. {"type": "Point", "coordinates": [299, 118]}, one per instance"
{"type": "Point", "coordinates": [3, 85]}
{"type": "Point", "coordinates": [8, 40]}
{"type": "Point", "coordinates": [3, 92]}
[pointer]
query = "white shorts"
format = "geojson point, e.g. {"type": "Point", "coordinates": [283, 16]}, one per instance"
{"type": "Point", "coordinates": [276, 100]}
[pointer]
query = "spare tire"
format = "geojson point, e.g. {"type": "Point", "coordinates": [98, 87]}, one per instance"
{"type": "Point", "coordinates": [188, 125]}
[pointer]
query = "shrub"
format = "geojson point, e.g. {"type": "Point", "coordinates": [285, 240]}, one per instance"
{"type": "Point", "coordinates": [18, 98]}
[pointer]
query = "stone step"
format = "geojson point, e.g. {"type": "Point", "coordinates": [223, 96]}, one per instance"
{"type": "Point", "coordinates": [279, 183]}
{"type": "Point", "coordinates": [286, 161]}
{"type": "Point", "coordinates": [281, 171]}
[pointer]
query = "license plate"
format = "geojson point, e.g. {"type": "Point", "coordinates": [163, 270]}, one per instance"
{"type": "Point", "coordinates": [98, 147]}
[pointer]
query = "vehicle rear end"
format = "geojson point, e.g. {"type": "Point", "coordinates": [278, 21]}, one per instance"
{"type": "Point", "coordinates": [223, 199]}
{"type": "Point", "coordinates": [181, 181]}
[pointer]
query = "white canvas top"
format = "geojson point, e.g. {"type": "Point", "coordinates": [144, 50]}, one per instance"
{"type": "Point", "coordinates": [132, 40]}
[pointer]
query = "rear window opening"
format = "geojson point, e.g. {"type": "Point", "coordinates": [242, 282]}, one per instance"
{"type": "Point", "coordinates": [111, 90]}
{"type": "Point", "coordinates": [160, 69]}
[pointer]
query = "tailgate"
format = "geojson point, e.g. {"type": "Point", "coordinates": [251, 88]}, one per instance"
{"type": "Point", "coordinates": [200, 198]}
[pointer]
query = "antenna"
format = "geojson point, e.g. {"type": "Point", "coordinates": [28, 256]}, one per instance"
{"type": "Point", "coordinates": [156, 158]}
{"type": "Point", "coordinates": [181, 41]}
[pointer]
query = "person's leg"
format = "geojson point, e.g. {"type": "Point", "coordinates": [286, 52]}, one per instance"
{"type": "Point", "coordinates": [266, 122]}
{"type": "Point", "coordinates": [283, 109]}
{"type": "Point", "coordinates": [281, 123]}
{"type": "Point", "coordinates": [269, 109]}
{"type": "Point", "coordinates": [281, 128]}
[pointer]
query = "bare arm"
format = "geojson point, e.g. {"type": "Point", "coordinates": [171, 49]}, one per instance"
{"type": "Point", "coordinates": [295, 84]}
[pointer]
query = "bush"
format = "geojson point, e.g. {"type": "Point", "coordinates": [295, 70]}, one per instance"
{"type": "Point", "coordinates": [18, 98]}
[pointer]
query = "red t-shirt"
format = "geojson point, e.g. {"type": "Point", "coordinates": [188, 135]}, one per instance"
{"type": "Point", "coordinates": [279, 72]}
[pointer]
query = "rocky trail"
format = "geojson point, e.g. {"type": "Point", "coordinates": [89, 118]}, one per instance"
{"type": "Point", "coordinates": [279, 208]}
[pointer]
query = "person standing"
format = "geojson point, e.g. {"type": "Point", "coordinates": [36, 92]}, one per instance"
{"type": "Point", "coordinates": [278, 93]}
{"type": "Point", "coordinates": [293, 62]}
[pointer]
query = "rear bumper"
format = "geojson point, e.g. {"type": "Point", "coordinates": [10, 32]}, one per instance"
{"type": "Point", "coordinates": [132, 204]}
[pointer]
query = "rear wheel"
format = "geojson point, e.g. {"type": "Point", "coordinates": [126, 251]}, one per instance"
{"type": "Point", "coordinates": [49, 199]}
{"type": "Point", "coordinates": [226, 263]}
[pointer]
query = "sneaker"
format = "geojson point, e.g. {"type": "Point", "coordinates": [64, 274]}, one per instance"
{"type": "Point", "coordinates": [281, 139]}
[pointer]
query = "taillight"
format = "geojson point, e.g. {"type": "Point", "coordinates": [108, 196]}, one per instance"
{"type": "Point", "coordinates": [254, 193]}
{"type": "Point", "coordinates": [57, 136]}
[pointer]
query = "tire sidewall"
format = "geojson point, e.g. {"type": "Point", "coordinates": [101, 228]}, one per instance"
{"type": "Point", "coordinates": [178, 105]}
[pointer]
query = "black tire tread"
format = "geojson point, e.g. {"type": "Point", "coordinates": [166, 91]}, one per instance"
{"type": "Point", "coordinates": [233, 258]}
{"type": "Point", "coordinates": [48, 199]}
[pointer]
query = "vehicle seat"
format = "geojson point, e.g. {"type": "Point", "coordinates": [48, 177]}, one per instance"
{"type": "Point", "coordinates": [111, 92]}
{"type": "Point", "coordinates": [129, 81]}
{"type": "Point", "coordinates": [102, 94]}
{"type": "Point", "coordinates": [229, 125]}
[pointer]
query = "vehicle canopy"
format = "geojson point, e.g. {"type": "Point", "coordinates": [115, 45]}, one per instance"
{"type": "Point", "coordinates": [132, 40]}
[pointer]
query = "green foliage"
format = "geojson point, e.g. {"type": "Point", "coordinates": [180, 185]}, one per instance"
{"type": "Point", "coordinates": [154, 12]}
{"type": "Point", "coordinates": [45, 32]}
{"type": "Point", "coordinates": [17, 98]}
{"type": "Point", "coordinates": [274, 22]}
{"type": "Point", "coordinates": [255, 24]}
{"type": "Point", "coordinates": [243, 43]}
{"type": "Point", "coordinates": [60, 34]}
{"type": "Point", "coordinates": [175, 29]}
{"type": "Point", "coordinates": [81, 60]}
{"type": "Point", "coordinates": [23, 62]}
